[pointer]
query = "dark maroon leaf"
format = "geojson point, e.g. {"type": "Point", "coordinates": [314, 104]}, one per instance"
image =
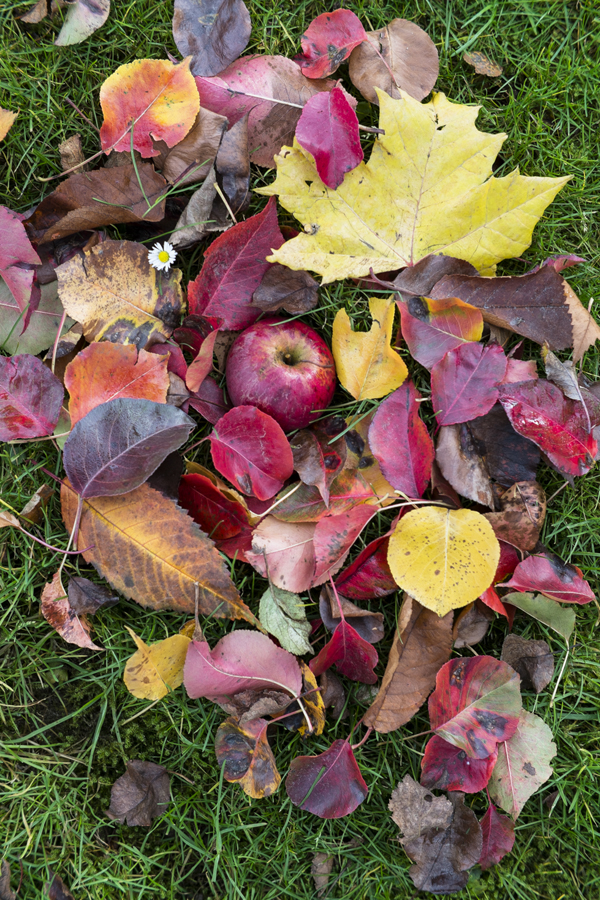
{"type": "Point", "coordinates": [250, 449]}
{"type": "Point", "coordinates": [209, 401]}
{"type": "Point", "coordinates": [498, 837]}
{"type": "Point", "coordinates": [86, 598]}
{"type": "Point", "coordinates": [329, 785]}
{"type": "Point", "coordinates": [333, 694]}
{"type": "Point", "coordinates": [140, 795]}
{"type": "Point", "coordinates": [318, 458]}
{"type": "Point", "coordinates": [328, 130]}
{"type": "Point", "coordinates": [233, 268]}
{"type": "Point", "coordinates": [175, 362]}
{"type": "Point", "coordinates": [560, 427]}
{"type": "Point", "coordinates": [367, 624]}
{"type": "Point", "coordinates": [352, 656]}
{"type": "Point", "coordinates": [369, 575]}
{"type": "Point", "coordinates": [533, 660]}
{"type": "Point", "coordinates": [508, 456]}
{"type": "Point", "coordinates": [443, 858]}
{"type": "Point", "coordinates": [448, 768]}
{"type": "Point", "coordinates": [233, 166]}
{"type": "Point", "coordinates": [56, 888]}
{"type": "Point", "coordinates": [420, 279]}
{"type": "Point", "coordinates": [328, 41]}
{"type": "Point", "coordinates": [547, 573]}
{"type": "Point", "coordinates": [283, 288]}
{"type": "Point", "coordinates": [30, 398]}
{"type": "Point", "coordinates": [213, 32]}
{"type": "Point", "coordinates": [464, 384]}
{"type": "Point", "coordinates": [223, 518]}
{"type": "Point", "coordinates": [119, 444]}
{"type": "Point", "coordinates": [193, 330]}
{"type": "Point", "coordinates": [400, 442]}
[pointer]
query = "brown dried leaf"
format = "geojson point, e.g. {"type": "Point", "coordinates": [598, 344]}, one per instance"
{"type": "Point", "coordinates": [6, 892]}
{"type": "Point", "coordinates": [422, 644]}
{"type": "Point", "coordinates": [36, 13]}
{"type": "Point", "coordinates": [461, 465]}
{"type": "Point", "coordinates": [333, 694]}
{"type": "Point", "coordinates": [86, 598]}
{"type": "Point", "coordinates": [33, 509]}
{"type": "Point", "coordinates": [71, 154]}
{"type": "Point", "coordinates": [533, 660]}
{"type": "Point", "coordinates": [140, 795]}
{"type": "Point", "coordinates": [57, 611]}
{"type": "Point", "coordinates": [415, 809]}
{"type": "Point", "coordinates": [482, 64]}
{"type": "Point", "coordinates": [283, 288]}
{"type": "Point", "coordinates": [7, 520]}
{"type": "Point", "coordinates": [523, 510]}
{"type": "Point", "coordinates": [151, 551]}
{"type": "Point", "coordinates": [196, 152]}
{"type": "Point", "coordinates": [57, 889]}
{"type": "Point", "coordinates": [321, 868]}
{"type": "Point", "coordinates": [233, 166]}
{"type": "Point", "coordinates": [471, 625]}
{"type": "Point", "coordinates": [204, 213]}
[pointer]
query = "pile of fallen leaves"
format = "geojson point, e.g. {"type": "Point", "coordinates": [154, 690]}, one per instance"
{"type": "Point", "coordinates": [127, 365]}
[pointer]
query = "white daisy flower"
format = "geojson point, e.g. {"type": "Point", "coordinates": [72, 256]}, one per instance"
{"type": "Point", "coordinates": [162, 256]}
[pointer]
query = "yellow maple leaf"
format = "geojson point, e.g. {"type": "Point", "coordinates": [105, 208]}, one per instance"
{"type": "Point", "coordinates": [155, 669]}
{"type": "Point", "coordinates": [444, 558]}
{"type": "Point", "coordinates": [365, 363]}
{"type": "Point", "coordinates": [427, 188]}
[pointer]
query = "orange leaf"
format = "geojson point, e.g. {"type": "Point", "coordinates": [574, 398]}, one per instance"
{"type": "Point", "coordinates": [157, 98]}
{"type": "Point", "coordinates": [151, 551]}
{"type": "Point", "coordinates": [105, 371]}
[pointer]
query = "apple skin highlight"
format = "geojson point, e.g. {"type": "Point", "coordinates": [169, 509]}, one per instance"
{"type": "Point", "coordinates": [284, 369]}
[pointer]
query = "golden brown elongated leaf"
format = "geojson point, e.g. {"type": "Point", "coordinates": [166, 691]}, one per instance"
{"type": "Point", "coordinates": [155, 670]}
{"type": "Point", "coordinates": [444, 558]}
{"type": "Point", "coordinates": [114, 292]}
{"type": "Point", "coordinates": [149, 550]}
{"type": "Point", "coordinates": [427, 188]}
{"type": "Point", "coordinates": [7, 119]}
{"type": "Point", "coordinates": [422, 644]}
{"type": "Point", "coordinates": [365, 363]}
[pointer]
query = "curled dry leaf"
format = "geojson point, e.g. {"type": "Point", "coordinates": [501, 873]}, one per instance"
{"type": "Point", "coordinates": [365, 363]}
{"type": "Point", "coordinates": [153, 671]}
{"type": "Point", "coordinates": [195, 154]}
{"type": "Point", "coordinates": [152, 98]}
{"type": "Point", "coordinates": [443, 558]}
{"type": "Point", "coordinates": [329, 785]}
{"type": "Point", "coordinates": [434, 148]}
{"type": "Point", "coordinates": [533, 660]}
{"type": "Point", "coordinates": [476, 704]}
{"type": "Point", "coordinates": [549, 612]}
{"type": "Point", "coordinates": [213, 32]}
{"type": "Point", "coordinates": [399, 57]}
{"type": "Point", "coordinates": [150, 551]}
{"type": "Point", "coordinates": [57, 611]}
{"type": "Point", "coordinates": [523, 764]}
{"type": "Point", "coordinates": [204, 214]}
{"type": "Point", "coordinates": [104, 371]}
{"type": "Point", "coordinates": [523, 510]}
{"type": "Point", "coordinates": [482, 64]}
{"type": "Point", "coordinates": [30, 398]}
{"type": "Point", "coordinates": [140, 795]}
{"type": "Point", "coordinates": [71, 154]}
{"type": "Point", "coordinates": [422, 644]}
{"type": "Point", "coordinates": [114, 292]}
{"type": "Point", "coordinates": [416, 810]}
{"type": "Point", "coordinates": [244, 753]}
{"type": "Point", "coordinates": [33, 510]}
{"type": "Point", "coordinates": [233, 166]}
{"type": "Point", "coordinates": [282, 288]}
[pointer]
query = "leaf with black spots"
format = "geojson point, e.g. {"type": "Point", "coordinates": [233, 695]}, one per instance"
{"type": "Point", "coordinates": [246, 756]}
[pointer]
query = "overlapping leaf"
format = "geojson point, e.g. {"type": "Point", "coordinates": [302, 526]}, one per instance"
{"type": "Point", "coordinates": [433, 327]}
{"type": "Point", "coordinates": [30, 398]}
{"type": "Point", "coordinates": [329, 785]}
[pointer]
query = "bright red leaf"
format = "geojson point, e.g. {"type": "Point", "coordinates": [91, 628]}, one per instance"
{"type": "Point", "coordinates": [498, 837]}
{"type": "Point", "coordinates": [250, 449]}
{"type": "Point", "coordinates": [353, 657]}
{"type": "Point", "coordinates": [400, 442]}
{"type": "Point", "coordinates": [464, 384]}
{"type": "Point", "coordinates": [448, 768]}
{"type": "Point", "coordinates": [476, 704]}
{"type": "Point", "coordinates": [433, 327]}
{"type": "Point", "coordinates": [233, 268]}
{"type": "Point", "coordinates": [223, 518]}
{"type": "Point", "coordinates": [540, 411]}
{"type": "Point", "coordinates": [328, 41]}
{"type": "Point", "coordinates": [334, 536]}
{"type": "Point", "coordinates": [30, 398]}
{"type": "Point", "coordinates": [329, 785]}
{"type": "Point", "coordinates": [240, 661]}
{"type": "Point", "coordinates": [547, 574]}
{"type": "Point", "coordinates": [369, 575]}
{"type": "Point", "coordinates": [328, 129]}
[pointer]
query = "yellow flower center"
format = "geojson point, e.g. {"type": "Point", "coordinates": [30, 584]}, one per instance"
{"type": "Point", "coordinates": [163, 256]}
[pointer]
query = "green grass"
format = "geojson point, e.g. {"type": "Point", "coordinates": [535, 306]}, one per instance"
{"type": "Point", "coordinates": [68, 725]}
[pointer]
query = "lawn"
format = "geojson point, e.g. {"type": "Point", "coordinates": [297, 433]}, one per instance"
{"type": "Point", "coordinates": [67, 723]}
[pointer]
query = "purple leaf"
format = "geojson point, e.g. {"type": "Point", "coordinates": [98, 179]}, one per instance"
{"type": "Point", "coordinates": [329, 785]}
{"type": "Point", "coordinates": [30, 398]}
{"type": "Point", "coordinates": [464, 384]}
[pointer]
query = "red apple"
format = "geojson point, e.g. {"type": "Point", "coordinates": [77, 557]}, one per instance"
{"type": "Point", "coordinates": [284, 368]}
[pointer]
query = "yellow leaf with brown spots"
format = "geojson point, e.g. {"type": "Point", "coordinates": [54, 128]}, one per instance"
{"type": "Point", "coordinates": [116, 295]}
{"type": "Point", "coordinates": [156, 669]}
{"type": "Point", "coordinates": [444, 558]}
{"type": "Point", "coordinates": [365, 363]}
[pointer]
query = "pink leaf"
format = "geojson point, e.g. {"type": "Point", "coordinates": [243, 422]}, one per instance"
{"type": "Point", "coordinates": [329, 785]}
{"type": "Point", "coordinates": [539, 411]}
{"type": "Point", "coordinates": [233, 268]}
{"type": "Point", "coordinates": [464, 384]}
{"type": "Point", "coordinates": [353, 657]}
{"type": "Point", "coordinates": [400, 442]}
{"type": "Point", "coordinates": [289, 550]}
{"type": "Point", "coordinates": [328, 41]}
{"type": "Point", "coordinates": [250, 449]}
{"type": "Point", "coordinates": [334, 536]}
{"type": "Point", "coordinates": [520, 370]}
{"type": "Point", "coordinates": [369, 575]}
{"type": "Point", "coordinates": [433, 327]}
{"type": "Point", "coordinates": [498, 837]}
{"type": "Point", "coordinates": [15, 252]}
{"type": "Point", "coordinates": [328, 129]}
{"type": "Point", "coordinates": [547, 573]}
{"type": "Point", "coordinates": [242, 660]}
{"type": "Point", "coordinates": [448, 768]}
{"type": "Point", "coordinates": [30, 398]}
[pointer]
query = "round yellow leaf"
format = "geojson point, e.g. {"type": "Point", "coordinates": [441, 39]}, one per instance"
{"type": "Point", "coordinates": [155, 669]}
{"type": "Point", "coordinates": [444, 558]}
